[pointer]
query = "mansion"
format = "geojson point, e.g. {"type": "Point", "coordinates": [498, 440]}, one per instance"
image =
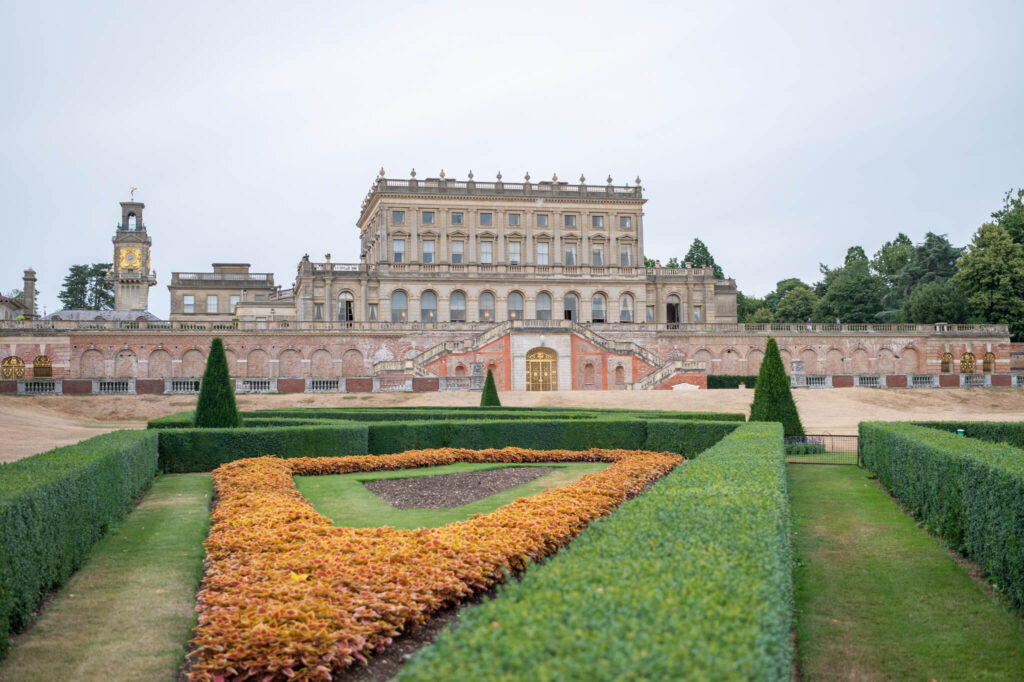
{"type": "Point", "coordinates": [543, 283]}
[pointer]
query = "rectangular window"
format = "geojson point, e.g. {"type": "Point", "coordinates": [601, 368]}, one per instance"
{"type": "Point", "coordinates": [597, 255]}
{"type": "Point", "coordinates": [569, 220]}
{"type": "Point", "coordinates": [233, 302]}
{"type": "Point", "coordinates": [456, 218]}
{"type": "Point", "coordinates": [625, 255]}
{"type": "Point", "coordinates": [697, 313]}
{"type": "Point", "coordinates": [189, 304]}
{"type": "Point", "coordinates": [542, 220]}
{"type": "Point", "coordinates": [542, 253]}
{"type": "Point", "coordinates": [372, 311]}
{"type": "Point", "coordinates": [260, 297]}
{"type": "Point", "coordinates": [398, 250]}
{"type": "Point", "coordinates": [398, 217]}
{"type": "Point", "coordinates": [513, 218]}
{"type": "Point", "coordinates": [570, 254]}
{"type": "Point", "coordinates": [485, 218]}
{"type": "Point", "coordinates": [597, 221]}
{"type": "Point", "coordinates": [625, 222]}
{"type": "Point", "coordinates": [211, 304]}
{"type": "Point", "coordinates": [650, 313]}
{"type": "Point", "coordinates": [515, 252]}
{"type": "Point", "coordinates": [458, 249]}
{"type": "Point", "coordinates": [428, 251]}
{"type": "Point", "coordinates": [428, 217]}
{"type": "Point", "coordinates": [318, 311]}
{"type": "Point", "coordinates": [486, 252]}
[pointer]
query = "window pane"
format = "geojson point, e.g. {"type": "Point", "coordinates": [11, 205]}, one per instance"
{"type": "Point", "coordinates": [485, 218]}
{"type": "Point", "coordinates": [456, 218]}
{"type": "Point", "coordinates": [428, 251]}
{"type": "Point", "coordinates": [398, 217]}
{"type": "Point", "coordinates": [542, 220]}
{"type": "Point", "coordinates": [543, 306]}
{"type": "Point", "coordinates": [570, 254]}
{"type": "Point", "coordinates": [399, 306]}
{"type": "Point", "coordinates": [457, 307]}
{"type": "Point", "coordinates": [318, 311]}
{"type": "Point", "coordinates": [598, 255]}
{"type": "Point", "coordinates": [372, 312]}
{"type": "Point", "coordinates": [625, 221]}
{"type": "Point", "coordinates": [211, 304]}
{"type": "Point", "coordinates": [234, 300]}
{"type": "Point", "coordinates": [428, 307]}
{"type": "Point", "coordinates": [457, 251]}
{"type": "Point", "coordinates": [597, 308]}
{"type": "Point", "coordinates": [650, 313]}
{"type": "Point", "coordinates": [486, 249]}
{"type": "Point", "coordinates": [513, 218]}
{"type": "Point", "coordinates": [570, 220]}
{"type": "Point", "coordinates": [626, 255]}
{"type": "Point", "coordinates": [542, 253]}
{"type": "Point", "coordinates": [486, 307]}
{"type": "Point", "coordinates": [189, 304]}
{"type": "Point", "coordinates": [515, 252]}
{"type": "Point", "coordinates": [398, 248]}
{"type": "Point", "coordinates": [428, 217]}
{"type": "Point", "coordinates": [626, 308]}
{"type": "Point", "coordinates": [515, 306]}
{"type": "Point", "coordinates": [597, 221]}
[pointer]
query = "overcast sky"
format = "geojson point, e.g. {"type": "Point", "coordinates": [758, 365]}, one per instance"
{"type": "Point", "coordinates": [780, 133]}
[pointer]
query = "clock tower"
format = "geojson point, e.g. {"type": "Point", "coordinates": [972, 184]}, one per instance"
{"type": "Point", "coordinates": [131, 275]}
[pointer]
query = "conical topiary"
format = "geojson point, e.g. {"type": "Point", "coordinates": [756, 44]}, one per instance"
{"type": "Point", "coordinates": [489, 398]}
{"type": "Point", "coordinates": [773, 401]}
{"type": "Point", "coordinates": [216, 406]}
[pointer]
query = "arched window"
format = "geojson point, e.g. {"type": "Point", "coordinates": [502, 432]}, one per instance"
{"type": "Point", "coordinates": [672, 311]}
{"type": "Point", "coordinates": [988, 363]}
{"type": "Point", "coordinates": [346, 307]}
{"type": "Point", "coordinates": [543, 306]}
{"type": "Point", "coordinates": [968, 363]}
{"type": "Point", "coordinates": [13, 367]}
{"type": "Point", "coordinates": [597, 308]}
{"type": "Point", "coordinates": [399, 307]}
{"type": "Point", "coordinates": [571, 306]}
{"type": "Point", "coordinates": [428, 307]}
{"type": "Point", "coordinates": [132, 222]}
{"type": "Point", "coordinates": [457, 306]}
{"type": "Point", "coordinates": [515, 306]}
{"type": "Point", "coordinates": [620, 375]}
{"type": "Point", "coordinates": [626, 308]}
{"type": "Point", "coordinates": [487, 307]}
{"type": "Point", "coordinates": [947, 363]}
{"type": "Point", "coordinates": [42, 368]}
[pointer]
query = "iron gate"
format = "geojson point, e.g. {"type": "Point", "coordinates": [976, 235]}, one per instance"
{"type": "Point", "coordinates": [823, 448]}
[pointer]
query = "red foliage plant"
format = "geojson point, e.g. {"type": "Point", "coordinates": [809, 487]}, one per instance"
{"type": "Point", "coordinates": [289, 596]}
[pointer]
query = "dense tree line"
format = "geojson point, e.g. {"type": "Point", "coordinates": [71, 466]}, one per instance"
{"type": "Point", "coordinates": [923, 282]}
{"type": "Point", "coordinates": [86, 287]}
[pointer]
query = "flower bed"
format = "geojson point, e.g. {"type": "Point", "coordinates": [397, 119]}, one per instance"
{"type": "Point", "coordinates": [288, 595]}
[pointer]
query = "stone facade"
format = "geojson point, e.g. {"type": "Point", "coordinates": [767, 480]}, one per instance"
{"type": "Point", "coordinates": [212, 296]}
{"type": "Point", "coordinates": [130, 274]}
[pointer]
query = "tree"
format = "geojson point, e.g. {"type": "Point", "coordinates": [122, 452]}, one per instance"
{"type": "Point", "coordinates": [86, 287]}
{"type": "Point", "coordinates": [991, 275]}
{"type": "Point", "coordinates": [936, 302]}
{"type": "Point", "coordinates": [781, 289]}
{"type": "Point", "coordinates": [650, 262]}
{"type": "Point", "coordinates": [1011, 215]}
{"type": "Point", "coordinates": [489, 398]}
{"type": "Point", "coordinates": [892, 258]}
{"type": "Point", "coordinates": [216, 407]}
{"type": "Point", "coordinates": [673, 263]}
{"type": "Point", "coordinates": [747, 306]}
{"type": "Point", "coordinates": [773, 400]}
{"type": "Point", "coordinates": [16, 294]}
{"type": "Point", "coordinates": [699, 255]}
{"type": "Point", "coordinates": [850, 293]}
{"type": "Point", "coordinates": [797, 305]}
{"type": "Point", "coordinates": [762, 316]}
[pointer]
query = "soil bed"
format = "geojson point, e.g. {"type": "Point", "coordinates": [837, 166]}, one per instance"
{"type": "Point", "coordinates": [445, 491]}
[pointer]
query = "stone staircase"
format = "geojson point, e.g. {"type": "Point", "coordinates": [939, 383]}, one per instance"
{"type": "Point", "coordinates": [666, 372]}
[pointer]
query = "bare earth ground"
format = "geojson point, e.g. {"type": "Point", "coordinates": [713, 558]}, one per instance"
{"type": "Point", "coordinates": [32, 424]}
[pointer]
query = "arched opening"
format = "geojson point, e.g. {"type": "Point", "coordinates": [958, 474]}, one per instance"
{"type": "Point", "coordinates": [597, 308]}
{"type": "Point", "coordinates": [193, 363]}
{"type": "Point", "coordinates": [589, 376]}
{"type": "Point", "coordinates": [321, 364]}
{"type": "Point", "coordinates": [457, 307]}
{"type": "Point", "coordinates": [543, 306]}
{"type": "Point", "coordinates": [92, 365]}
{"type": "Point", "coordinates": [132, 222]}
{"type": "Point", "coordinates": [988, 363]}
{"type": "Point", "coordinates": [541, 370]}
{"type": "Point", "coordinates": [346, 307]}
{"type": "Point", "coordinates": [126, 365]}
{"type": "Point", "coordinates": [620, 375]}
{"type": "Point", "coordinates": [515, 306]}
{"type": "Point", "coordinates": [352, 364]}
{"type": "Point", "coordinates": [460, 370]}
{"type": "Point", "coordinates": [947, 363]}
{"type": "Point", "coordinates": [672, 310]}
{"type": "Point", "coordinates": [12, 367]}
{"type": "Point", "coordinates": [571, 305]}
{"type": "Point", "coordinates": [968, 363]}
{"type": "Point", "coordinates": [428, 307]}
{"type": "Point", "coordinates": [42, 368]}
{"type": "Point", "coordinates": [487, 307]}
{"type": "Point", "coordinates": [399, 307]}
{"type": "Point", "coordinates": [160, 364]}
{"type": "Point", "coordinates": [626, 308]}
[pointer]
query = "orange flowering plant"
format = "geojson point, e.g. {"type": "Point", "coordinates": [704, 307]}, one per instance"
{"type": "Point", "coordinates": [287, 595]}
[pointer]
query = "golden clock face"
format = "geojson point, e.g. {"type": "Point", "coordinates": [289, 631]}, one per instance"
{"type": "Point", "coordinates": [131, 259]}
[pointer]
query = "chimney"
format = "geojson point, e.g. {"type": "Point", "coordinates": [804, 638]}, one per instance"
{"type": "Point", "coordinates": [29, 289]}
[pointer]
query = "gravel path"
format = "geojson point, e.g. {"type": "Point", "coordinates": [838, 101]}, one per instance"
{"type": "Point", "coordinates": [445, 491]}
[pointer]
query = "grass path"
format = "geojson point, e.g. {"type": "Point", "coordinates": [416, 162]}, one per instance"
{"type": "Point", "coordinates": [128, 613]}
{"type": "Point", "coordinates": [878, 598]}
{"type": "Point", "coordinates": [346, 501]}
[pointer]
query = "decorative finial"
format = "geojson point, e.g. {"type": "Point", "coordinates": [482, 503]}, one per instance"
{"type": "Point", "coordinates": [131, 191]}
{"type": "Point", "coordinates": [381, 174]}
{"type": "Point", "coordinates": [583, 179]}
{"type": "Point", "coordinates": [609, 178]}
{"type": "Point", "coordinates": [470, 174]}
{"type": "Point", "coordinates": [638, 179]}
{"type": "Point", "coordinates": [527, 177]}
{"type": "Point", "coordinates": [442, 173]}
{"type": "Point", "coordinates": [554, 177]}
{"type": "Point", "coordinates": [412, 173]}
{"type": "Point", "coordinates": [499, 175]}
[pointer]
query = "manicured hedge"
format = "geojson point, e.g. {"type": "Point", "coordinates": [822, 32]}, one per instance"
{"type": "Point", "coordinates": [992, 432]}
{"type": "Point", "coordinates": [731, 380]}
{"type": "Point", "coordinates": [691, 580]}
{"type": "Point", "coordinates": [188, 450]}
{"type": "Point", "coordinates": [55, 505]}
{"type": "Point", "coordinates": [966, 490]}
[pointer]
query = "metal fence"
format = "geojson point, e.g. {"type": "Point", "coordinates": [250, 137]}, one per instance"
{"type": "Point", "coordinates": [822, 448]}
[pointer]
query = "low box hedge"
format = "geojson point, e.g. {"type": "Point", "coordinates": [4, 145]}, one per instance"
{"type": "Point", "coordinates": [969, 491]}
{"type": "Point", "coordinates": [55, 505]}
{"type": "Point", "coordinates": [690, 580]}
{"type": "Point", "coordinates": [732, 380]}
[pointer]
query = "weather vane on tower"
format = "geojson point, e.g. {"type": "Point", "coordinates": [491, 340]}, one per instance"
{"type": "Point", "coordinates": [131, 191]}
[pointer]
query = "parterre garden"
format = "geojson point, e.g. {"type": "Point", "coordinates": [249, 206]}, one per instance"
{"type": "Point", "coordinates": [673, 561]}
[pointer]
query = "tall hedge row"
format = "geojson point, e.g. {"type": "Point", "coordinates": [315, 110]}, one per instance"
{"type": "Point", "coordinates": [691, 580]}
{"type": "Point", "coordinates": [992, 432]}
{"type": "Point", "coordinates": [966, 490]}
{"type": "Point", "coordinates": [55, 505]}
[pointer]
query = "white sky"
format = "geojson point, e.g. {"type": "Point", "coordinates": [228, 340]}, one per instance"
{"type": "Point", "coordinates": [780, 133]}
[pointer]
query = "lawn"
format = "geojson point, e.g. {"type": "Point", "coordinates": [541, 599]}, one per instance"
{"type": "Point", "coordinates": [879, 598]}
{"type": "Point", "coordinates": [128, 613]}
{"type": "Point", "coordinates": [346, 501]}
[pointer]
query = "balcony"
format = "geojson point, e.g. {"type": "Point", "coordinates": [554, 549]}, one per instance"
{"type": "Point", "coordinates": [234, 280]}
